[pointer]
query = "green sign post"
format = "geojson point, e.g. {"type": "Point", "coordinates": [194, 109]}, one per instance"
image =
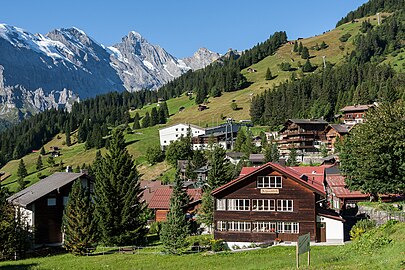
{"type": "Point", "coordinates": [303, 245]}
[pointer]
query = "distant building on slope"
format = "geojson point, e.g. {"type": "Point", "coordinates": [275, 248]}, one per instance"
{"type": "Point", "coordinates": [355, 114]}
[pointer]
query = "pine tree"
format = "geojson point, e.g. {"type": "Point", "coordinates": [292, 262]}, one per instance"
{"type": "Point", "coordinates": [292, 158]}
{"type": "Point", "coordinates": [275, 153]}
{"type": "Point", "coordinates": [146, 120]}
{"type": "Point", "coordinates": [7, 228]}
{"type": "Point", "coordinates": [307, 67]}
{"type": "Point", "coordinates": [300, 48]}
{"type": "Point", "coordinates": [162, 116]}
{"type": "Point", "coordinates": [67, 132]}
{"type": "Point", "coordinates": [165, 109]}
{"type": "Point", "coordinates": [269, 76]}
{"type": "Point", "coordinates": [21, 173]}
{"type": "Point", "coordinates": [295, 46]}
{"type": "Point", "coordinates": [323, 45]}
{"type": "Point", "coordinates": [78, 222]}
{"type": "Point", "coordinates": [305, 53]}
{"type": "Point", "coordinates": [51, 161]}
{"type": "Point", "coordinates": [176, 228]}
{"type": "Point", "coordinates": [240, 140]}
{"type": "Point", "coordinates": [39, 163]}
{"type": "Point", "coordinates": [136, 122]}
{"type": "Point", "coordinates": [154, 117]}
{"type": "Point", "coordinates": [120, 213]}
{"type": "Point", "coordinates": [42, 152]}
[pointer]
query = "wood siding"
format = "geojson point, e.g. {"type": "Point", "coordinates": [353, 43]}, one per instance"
{"type": "Point", "coordinates": [303, 209]}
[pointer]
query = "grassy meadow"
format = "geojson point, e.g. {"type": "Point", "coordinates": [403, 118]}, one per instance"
{"type": "Point", "coordinates": [372, 251]}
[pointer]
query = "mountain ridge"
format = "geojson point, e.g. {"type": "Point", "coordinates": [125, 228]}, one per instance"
{"type": "Point", "coordinates": [37, 69]}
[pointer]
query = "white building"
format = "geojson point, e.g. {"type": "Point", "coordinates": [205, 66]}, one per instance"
{"type": "Point", "coordinates": [175, 132]}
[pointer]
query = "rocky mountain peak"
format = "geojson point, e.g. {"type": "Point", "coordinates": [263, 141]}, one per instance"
{"type": "Point", "coordinates": [201, 58]}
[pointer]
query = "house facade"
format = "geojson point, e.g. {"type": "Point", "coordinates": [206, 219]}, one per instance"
{"type": "Point", "coordinates": [355, 114]}
{"type": "Point", "coordinates": [170, 134]}
{"type": "Point", "coordinates": [304, 135]}
{"type": "Point", "coordinates": [269, 202]}
{"type": "Point", "coordinates": [334, 133]}
{"type": "Point", "coordinates": [43, 204]}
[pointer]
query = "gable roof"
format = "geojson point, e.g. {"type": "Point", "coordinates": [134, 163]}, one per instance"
{"type": "Point", "coordinates": [315, 174]}
{"type": "Point", "coordinates": [357, 108]}
{"type": "Point", "coordinates": [339, 128]}
{"type": "Point", "coordinates": [184, 124]}
{"type": "Point", "coordinates": [247, 170]}
{"type": "Point", "coordinates": [293, 174]}
{"type": "Point", "coordinates": [338, 186]}
{"type": "Point", "coordinates": [43, 187]}
{"type": "Point", "coordinates": [308, 121]}
{"type": "Point", "coordinates": [161, 198]}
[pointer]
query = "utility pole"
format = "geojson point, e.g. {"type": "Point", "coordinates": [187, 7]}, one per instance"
{"type": "Point", "coordinates": [324, 61]}
{"type": "Point", "coordinates": [378, 18]}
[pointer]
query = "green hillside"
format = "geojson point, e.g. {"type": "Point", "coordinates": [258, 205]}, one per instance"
{"type": "Point", "coordinates": [218, 108]}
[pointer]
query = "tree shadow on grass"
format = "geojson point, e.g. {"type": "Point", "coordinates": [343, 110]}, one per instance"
{"type": "Point", "coordinates": [19, 266]}
{"type": "Point", "coordinates": [130, 142]}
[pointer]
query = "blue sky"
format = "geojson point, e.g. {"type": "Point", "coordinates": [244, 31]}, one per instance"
{"type": "Point", "coordinates": [181, 26]}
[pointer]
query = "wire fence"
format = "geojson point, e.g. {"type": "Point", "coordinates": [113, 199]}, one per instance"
{"type": "Point", "coordinates": [134, 250]}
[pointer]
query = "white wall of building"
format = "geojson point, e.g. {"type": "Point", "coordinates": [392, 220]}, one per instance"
{"type": "Point", "coordinates": [175, 132]}
{"type": "Point", "coordinates": [334, 229]}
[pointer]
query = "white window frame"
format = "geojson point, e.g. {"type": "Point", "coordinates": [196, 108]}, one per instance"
{"type": "Point", "coordinates": [285, 205]}
{"type": "Point", "coordinates": [239, 226]}
{"type": "Point", "coordinates": [221, 204]}
{"type": "Point", "coordinates": [51, 202]}
{"type": "Point", "coordinates": [238, 204]}
{"type": "Point", "coordinates": [288, 227]}
{"type": "Point", "coordinates": [263, 205]}
{"type": "Point", "coordinates": [221, 226]}
{"type": "Point", "coordinates": [270, 181]}
{"type": "Point", "coordinates": [264, 226]}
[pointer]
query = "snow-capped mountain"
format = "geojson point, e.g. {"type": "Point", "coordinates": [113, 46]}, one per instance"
{"type": "Point", "coordinates": [54, 70]}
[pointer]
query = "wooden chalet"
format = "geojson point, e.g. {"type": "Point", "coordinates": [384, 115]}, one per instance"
{"type": "Point", "coordinates": [302, 134]}
{"type": "Point", "coordinates": [355, 114]}
{"type": "Point", "coordinates": [160, 202]}
{"type": "Point", "coordinates": [43, 204]}
{"type": "Point", "coordinates": [269, 202]}
{"type": "Point", "coordinates": [334, 133]}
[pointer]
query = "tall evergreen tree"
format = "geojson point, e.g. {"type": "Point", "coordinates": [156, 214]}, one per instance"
{"type": "Point", "coordinates": [165, 109]}
{"type": "Point", "coordinates": [79, 225]}
{"type": "Point", "coordinates": [176, 228]}
{"type": "Point", "coordinates": [162, 116]}
{"type": "Point", "coordinates": [295, 46]}
{"type": "Point", "coordinates": [305, 53]}
{"type": "Point", "coordinates": [146, 120]}
{"type": "Point", "coordinates": [39, 163]}
{"type": "Point", "coordinates": [67, 132]}
{"type": "Point", "coordinates": [154, 117]}
{"type": "Point", "coordinates": [292, 158]}
{"type": "Point", "coordinates": [275, 153]}
{"type": "Point", "coordinates": [42, 152]}
{"type": "Point", "coordinates": [269, 76]}
{"type": "Point", "coordinates": [300, 48]}
{"type": "Point", "coordinates": [240, 140]}
{"type": "Point", "coordinates": [21, 174]}
{"type": "Point", "coordinates": [120, 213]}
{"type": "Point", "coordinates": [136, 122]}
{"type": "Point", "coordinates": [7, 226]}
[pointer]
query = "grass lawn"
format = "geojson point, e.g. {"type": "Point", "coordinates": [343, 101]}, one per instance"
{"type": "Point", "coordinates": [368, 255]}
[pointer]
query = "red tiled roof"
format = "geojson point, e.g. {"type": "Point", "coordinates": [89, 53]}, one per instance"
{"type": "Point", "coordinates": [161, 198]}
{"type": "Point", "coordinates": [149, 188]}
{"type": "Point", "coordinates": [319, 188]}
{"type": "Point", "coordinates": [338, 186]}
{"type": "Point", "coordinates": [314, 173]}
{"type": "Point", "coordinates": [247, 170]}
{"type": "Point", "coordinates": [357, 108]}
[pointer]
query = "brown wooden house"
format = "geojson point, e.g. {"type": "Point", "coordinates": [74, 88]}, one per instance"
{"type": "Point", "coordinates": [334, 133]}
{"type": "Point", "coordinates": [266, 203]}
{"type": "Point", "coordinates": [355, 114]}
{"type": "Point", "coordinates": [302, 134]}
{"type": "Point", "coordinates": [43, 204]}
{"type": "Point", "coordinates": [160, 202]}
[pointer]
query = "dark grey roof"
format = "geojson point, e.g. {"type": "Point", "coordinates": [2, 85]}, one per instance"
{"type": "Point", "coordinates": [256, 157]}
{"type": "Point", "coordinates": [343, 129]}
{"type": "Point", "coordinates": [43, 187]}
{"type": "Point", "coordinates": [332, 170]}
{"type": "Point", "coordinates": [235, 154]}
{"type": "Point", "coordinates": [309, 121]}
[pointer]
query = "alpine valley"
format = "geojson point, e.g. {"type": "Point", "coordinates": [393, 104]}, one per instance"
{"type": "Point", "coordinates": [38, 72]}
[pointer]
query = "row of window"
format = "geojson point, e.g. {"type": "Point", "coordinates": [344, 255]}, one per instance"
{"type": "Point", "coordinates": [258, 226]}
{"type": "Point", "coordinates": [269, 182]}
{"type": "Point", "coordinates": [257, 205]}
{"type": "Point", "coordinates": [52, 201]}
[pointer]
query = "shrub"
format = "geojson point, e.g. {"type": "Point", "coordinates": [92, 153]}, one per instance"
{"type": "Point", "coordinates": [218, 245]}
{"type": "Point", "coordinates": [345, 37]}
{"type": "Point", "coordinates": [155, 228]}
{"type": "Point", "coordinates": [285, 66]}
{"type": "Point", "coordinates": [361, 227]}
{"type": "Point", "coordinates": [234, 106]}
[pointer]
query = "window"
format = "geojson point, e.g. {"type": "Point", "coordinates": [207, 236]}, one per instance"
{"type": "Point", "coordinates": [285, 205]}
{"type": "Point", "coordinates": [177, 129]}
{"type": "Point", "coordinates": [239, 226]}
{"type": "Point", "coordinates": [51, 201]}
{"type": "Point", "coordinates": [221, 204]}
{"type": "Point", "coordinates": [269, 182]}
{"type": "Point", "coordinates": [177, 135]}
{"type": "Point", "coordinates": [182, 129]}
{"type": "Point", "coordinates": [263, 205]}
{"type": "Point", "coordinates": [239, 204]}
{"type": "Point", "coordinates": [221, 225]}
{"type": "Point", "coordinates": [264, 227]}
{"type": "Point", "coordinates": [288, 227]}
{"type": "Point", "coordinates": [164, 141]}
{"type": "Point", "coordinates": [65, 200]}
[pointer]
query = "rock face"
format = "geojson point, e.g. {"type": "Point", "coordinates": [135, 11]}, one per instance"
{"type": "Point", "coordinates": [38, 72]}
